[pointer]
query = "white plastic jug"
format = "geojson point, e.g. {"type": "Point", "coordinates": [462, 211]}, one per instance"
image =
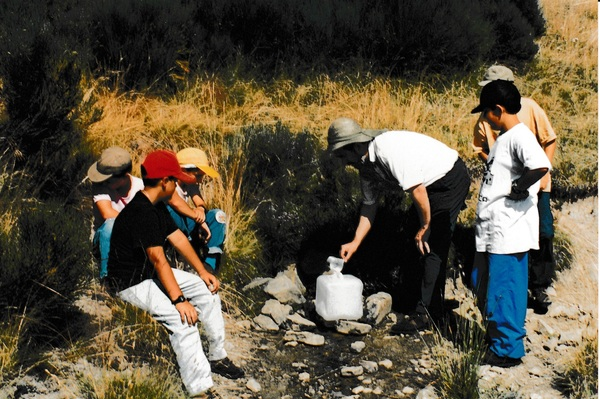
{"type": "Point", "coordinates": [339, 296]}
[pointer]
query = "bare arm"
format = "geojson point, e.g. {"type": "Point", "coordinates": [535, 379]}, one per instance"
{"type": "Point", "coordinates": [184, 209]}
{"type": "Point", "coordinates": [420, 198]}
{"type": "Point", "coordinates": [364, 226]}
{"type": "Point", "coordinates": [183, 246]}
{"type": "Point", "coordinates": [106, 209]}
{"type": "Point", "coordinates": [549, 149]}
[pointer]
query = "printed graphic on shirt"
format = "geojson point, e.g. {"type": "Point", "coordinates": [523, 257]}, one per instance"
{"type": "Point", "coordinates": [488, 178]}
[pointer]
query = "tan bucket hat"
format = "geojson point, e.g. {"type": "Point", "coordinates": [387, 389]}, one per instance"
{"type": "Point", "coordinates": [113, 161]}
{"type": "Point", "coordinates": [344, 131]}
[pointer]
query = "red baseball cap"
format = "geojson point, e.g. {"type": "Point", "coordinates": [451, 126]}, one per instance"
{"type": "Point", "coordinates": [163, 163]}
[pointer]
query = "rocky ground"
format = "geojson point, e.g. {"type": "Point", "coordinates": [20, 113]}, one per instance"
{"type": "Point", "coordinates": [401, 366]}
{"type": "Point", "coordinates": [287, 355]}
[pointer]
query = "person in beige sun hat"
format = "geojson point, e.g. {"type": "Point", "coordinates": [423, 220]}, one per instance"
{"type": "Point", "coordinates": [113, 187]}
{"type": "Point", "coordinates": [204, 227]}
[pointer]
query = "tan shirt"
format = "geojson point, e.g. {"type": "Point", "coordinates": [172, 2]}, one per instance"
{"type": "Point", "coordinates": [531, 114]}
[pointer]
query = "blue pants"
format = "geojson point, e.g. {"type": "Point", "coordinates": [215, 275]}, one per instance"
{"type": "Point", "coordinates": [215, 219]}
{"type": "Point", "coordinates": [505, 294]}
{"type": "Point", "coordinates": [101, 244]}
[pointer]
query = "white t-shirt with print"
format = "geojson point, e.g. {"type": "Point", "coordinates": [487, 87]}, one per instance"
{"type": "Point", "coordinates": [505, 226]}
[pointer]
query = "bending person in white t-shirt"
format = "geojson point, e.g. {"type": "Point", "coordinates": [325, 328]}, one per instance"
{"type": "Point", "coordinates": [113, 187]}
{"type": "Point", "coordinates": [507, 224]}
{"type": "Point", "coordinates": [204, 228]}
{"type": "Point", "coordinates": [438, 183]}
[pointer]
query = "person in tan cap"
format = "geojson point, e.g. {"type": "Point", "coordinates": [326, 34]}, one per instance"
{"type": "Point", "coordinates": [113, 187]}
{"type": "Point", "coordinates": [484, 136]}
{"type": "Point", "coordinates": [438, 183]}
{"type": "Point", "coordinates": [205, 228]}
{"type": "Point", "coordinates": [140, 274]}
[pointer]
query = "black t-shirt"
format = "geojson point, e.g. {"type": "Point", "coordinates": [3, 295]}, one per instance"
{"type": "Point", "coordinates": [140, 225]}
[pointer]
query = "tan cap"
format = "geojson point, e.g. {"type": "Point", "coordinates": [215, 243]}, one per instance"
{"type": "Point", "coordinates": [497, 72]}
{"type": "Point", "coordinates": [194, 157]}
{"type": "Point", "coordinates": [113, 161]}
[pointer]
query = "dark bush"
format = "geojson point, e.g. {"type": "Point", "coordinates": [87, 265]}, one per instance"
{"type": "Point", "coordinates": [45, 260]}
{"type": "Point", "coordinates": [43, 138]}
{"type": "Point", "coordinates": [155, 43]}
{"type": "Point", "coordinates": [140, 44]}
{"type": "Point", "coordinates": [294, 189]}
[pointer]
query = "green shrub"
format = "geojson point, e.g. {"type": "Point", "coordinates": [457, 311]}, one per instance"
{"type": "Point", "coordinates": [458, 360]}
{"type": "Point", "coordinates": [45, 260]}
{"type": "Point", "coordinates": [580, 379]}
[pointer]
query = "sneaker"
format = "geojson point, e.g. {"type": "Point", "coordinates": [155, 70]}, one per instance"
{"type": "Point", "coordinates": [226, 368]}
{"type": "Point", "coordinates": [492, 359]}
{"type": "Point", "coordinates": [411, 324]}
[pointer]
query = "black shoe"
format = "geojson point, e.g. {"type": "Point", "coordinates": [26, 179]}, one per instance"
{"type": "Point", "coordinates": [226, 368]}
{"type": "Point", "coordinates": [411, 324]}
{"type": "Point", "coordinates": [494, 360]}
{"type": "Point", "coordinates": [539, 301]}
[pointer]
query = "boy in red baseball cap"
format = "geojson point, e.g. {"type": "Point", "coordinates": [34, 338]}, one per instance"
{"type": "Point", "coordinates": [139, 273]}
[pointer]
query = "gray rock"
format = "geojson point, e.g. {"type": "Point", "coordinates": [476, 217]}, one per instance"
{"type": "Point", "coordinates": [427, 393]}
{"type": "Point", "coordinates": [301, 322]}
{"type": "Point", "coordinates": [377, 306]}
{"type": "Point", "coordinates": [278, 311]}
{"type": "Point", "coordinates": [369, 366]}
{"type": "Point", "coordinates": [305, 337]}
{"type": "Point", "coordinates": [284, 290]}
{"type": "Point", "coordinates": [253, 385]}
{"type": "Point", "coordinates": [349, 327]}
{"type": "Point", "coordinates": [257, 282]}
{"type": "Point", "coordinates": [266, 323]}
{"type": "Point", "coordinates": [358, 346]}
{"type": "Point", "coordinates": [352, 371]}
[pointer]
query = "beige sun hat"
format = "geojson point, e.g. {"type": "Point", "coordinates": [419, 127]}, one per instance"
{"type": "Point", "coordinates": [113, 161]}
{"type": "Point", "coordinates": [344, 131]}
{"type": "Point", "coordinates": [196, 158]}
{"type": "Point", "coordinates": [497, 72]}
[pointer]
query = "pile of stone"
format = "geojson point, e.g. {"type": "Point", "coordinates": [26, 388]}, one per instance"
{"type": "Point", "coordinates": [287, 310]}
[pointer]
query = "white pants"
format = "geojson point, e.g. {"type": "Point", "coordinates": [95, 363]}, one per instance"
{"type": "Point", "coordinates": [185, 340]}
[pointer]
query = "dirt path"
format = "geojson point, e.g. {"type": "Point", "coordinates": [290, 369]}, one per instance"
{"type": "Point", "coordinates": [551, 340]}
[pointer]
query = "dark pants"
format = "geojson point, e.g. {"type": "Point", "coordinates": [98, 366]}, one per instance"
{"type": "Point", "coordinates": [541, 267]}
{"type": "Point", "coordinates": [424, 279]}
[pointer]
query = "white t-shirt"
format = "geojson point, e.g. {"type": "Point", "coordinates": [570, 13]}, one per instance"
{"type": "Point", "coordinates": [410, 158]}
{"type": "Point", "coordinates": [101, 193]}
{"type": "Point", "coordinates": [504, 226]}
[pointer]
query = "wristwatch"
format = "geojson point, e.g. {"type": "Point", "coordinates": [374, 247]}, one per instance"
{"type": "Point", "coordinates": [179, 299]}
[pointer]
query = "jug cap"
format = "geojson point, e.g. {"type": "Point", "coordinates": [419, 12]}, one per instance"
{"type": "Point", "coordinates": [335, 264]}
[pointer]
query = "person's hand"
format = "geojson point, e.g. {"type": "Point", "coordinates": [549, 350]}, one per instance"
{"type": "Point", "coordinates": [421, 240]}
{"type": "Point", "coordinates": [207, 234]}
{"type": "Point", "coordinates": [517, 194]}
{"type": "Point", "coordinates": [347, 250]}
{"type": "Point", "coordinates": [188, 313]}
{"type": "Point", "coordinates": [199, 215]}
{"type": "Point", "coordinates": [211, 281]}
